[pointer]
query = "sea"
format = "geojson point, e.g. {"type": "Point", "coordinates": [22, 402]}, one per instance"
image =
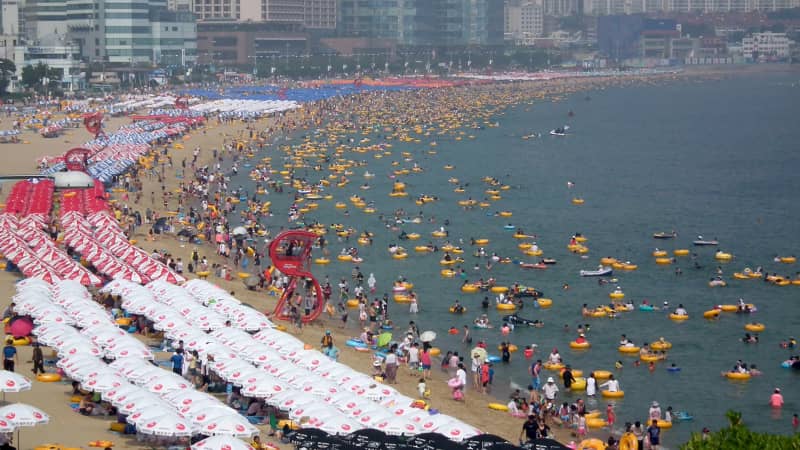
{"type": "Point", "coordinates": [713, 157]}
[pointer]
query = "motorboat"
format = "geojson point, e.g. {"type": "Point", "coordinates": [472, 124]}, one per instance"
{"type": "Point", "coordinates": [549, 261]}
{"type": "Point", "coordinates": [561, 131]}
{"type": "Point", "coordinates": [517, 320]}
{"type": "Point", "coordinates": [664, 235]}
{"type": "Point", "coordinates": [540, 266]}
{"type": "Point", "coordinates": [701, 241]}
{"type": "Point", "coordinates": [600, 272]}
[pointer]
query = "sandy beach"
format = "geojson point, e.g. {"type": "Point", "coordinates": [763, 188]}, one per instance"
{"type": "Point", "coordinates": [70, 429]}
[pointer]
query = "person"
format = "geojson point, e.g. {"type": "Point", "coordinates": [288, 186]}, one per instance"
{"type": "Point", "coordinates": [550, 389]}
{"type": "Point", "coordinates": [655, 411]}
{"type": "Point", "coordinates": [256, 443]}
{"type": "Point", "coordinates": [425, 360]}
{"type": "Point", "coordinates": [638, 431]}
{"type": "Point", "coordinates": [567, 377]}
{"type": "Point", "coordinates": [9, 355]}
{"type": "Point", "coordinates": [680, 310]}
{"type": "Point", "coordinates": [6, 439]}
{"type": "Point", "coordinates": [391, 365]}
{"type": "Point", "coordinates": [542, 431]}
{"type": "Point", "coordinates": [555, 357]}
{"type": "Point", "coordinates": [38, 359]}
{"type": "Point", "coordinates": [612, 384]}
{"type": "Point", "coordinates": [654, 434]}
{"type": "Point", "coordinates": [668, 414]}
{"type": "Point", "coordinates": [327, 340]}
{"type": "Point", "coordinates": [422, 387]}
{"type": "Point", "coordinates": [795, 422]}
{"type": "Point", "coordinates": [177, 361]}
{"type": "Point", "coordinates": [467, 339]}
{"type": "Point", "coordinates": [591, 385]}
{"type": "Point", "coordinates": [581, 432]}
{"type": "Point", "coordinates": [628, 439]}
{"type": "Point", "coordinates": [505, 352]}
{"type": "Point", "coordinates": [580, 339]}
{"type": "Point", "coordinates": [776, 399]}
{"type": "Point", "coordinates": [457, 307]}
{"type": "Point", "coordinates": [535, 370]}
{"type": "Point", "coordinates": [529, 430]}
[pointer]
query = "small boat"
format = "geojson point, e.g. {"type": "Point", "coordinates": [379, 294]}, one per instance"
{"type": "Point", "coordinates": [561, 131]}
{"type": "Point", "coordinates": [517, 320]}
{"type": "Point", "coordinates": [683, 416]}
{"type": "Point", "coordinates": [540, 266]}
{"type": "Point", "coordinates": [549, 261]}
{"type": "Point", "coordinates": [664, 235]}
{"type": "Point", "coordinates": [701, 241]}
{"type": "Point", "coordinates": [597, 273]}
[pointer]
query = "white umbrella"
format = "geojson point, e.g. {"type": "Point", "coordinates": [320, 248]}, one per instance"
{"type": "Point", "coordinates": [13, 382]}
{"type": "Point", "coordinates": [165, 425]}
{"type": "Point", "coordinates": [140, 402]}
{"type": "Point", "coordinates": [427, 336]}
{"type": "Point", "coordinates": [74, 347]}
{"type": "Point", "coordinates": [122, 393]}
{"type": "Point", "coordinates": [313, 413]}
{"type": "Point", "coordinates": [126, 349]}
{"type": "Point", "coordinates": [208, 412]}
{"type": "Point", "coordinates": [103, 381]}
{"type": "Point", "coordinates": [167, 383]}
{"type": "Point", "coordinates": [457, 430]}
{"type": "Point", "coordinates": [19, 415]}
{"type": "Point", "coordinates": [221, 443]}
{"type": "Point", "coordinates": [196, 408]}
{"type": "Point", "coordinates": [264, 388]}
{"type": "Point", "coordinates": [336, 424]}
{"type": "Point", "coordinates": [433, 423]}
{"type": "Point", "coordinates": [186, 397]}
{"type": "Point", "coordinates": [372, 417]}
{"type": "Point", "coordinates": [397, 426]}
{"type": "Point", "coordinates": [229, 425]}
{"type": "Point", "coordinates": [253, 322]}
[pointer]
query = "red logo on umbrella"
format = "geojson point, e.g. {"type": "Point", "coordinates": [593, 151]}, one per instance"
{"type": "Point", "coordinates": [180, 427]}
{"type": "Point", "coordinates": [158, 387]}
{"type": "Point", "coordinates": [187, 401]}
{"type": "Point", "coordinates": [346, 427]}
{"type": "Point", "coordinates": [10, 416]}
{"type": "Point", "coordinates": [455, 432]}
{"type": "Point", "coordinates": [240, 428]}
{"type": "Point", "coordinates": [37, 415]}
{"type": "Point", "coordinates": [10, 383]}
{"type": "Point", "coordinates": [150, 425]}
{"type": "Point", "coordinates": [211, 426]}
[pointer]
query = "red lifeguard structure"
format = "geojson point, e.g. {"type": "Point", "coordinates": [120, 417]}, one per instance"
{"type": "Point", "coordinates": [94, 124]}
{"type": "Point", "coordinates": [290, 252]}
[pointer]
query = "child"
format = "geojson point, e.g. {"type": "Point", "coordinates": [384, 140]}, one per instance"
{"type": "Point", "coordinates": [611, 417]}
{"type": "Point", "coordinates": [422, 388]}
{"type": "Point", "coordinates": [668, 414]}
{"type": "Point", "coordinates": [581, 425]}
{"type": "Point", "coordinates": [795, 422]}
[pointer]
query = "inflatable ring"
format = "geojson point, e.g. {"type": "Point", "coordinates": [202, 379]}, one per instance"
{"type": "Point", "coordinates": [499, 289]}
{"type": "Point", "coordinates": [550, 366]}
{"type": "Point", "coordinates": [579, 384]}
{"type": "Point", "coordinates": [469, 288]}
{"type": "Point", "coordinates": [124, 321]}
{"type": "Point", "coordinates": [544, 302]}
{"type": "Point", "coordinates": [711, 314]}
{"type": "Point", "coordinates": [596, 422]}
{"type": "Point", "coordinates": [754, 327]}
{"type": "Point", "coordinates": [506, 306]}
{"type": "Point", "coordinates": [602, 374]}
{"type": "Point", "coordinates": [280, 327]}
{"type": "Point", "coordinates": [615, 394]}
{"type": "Point", "coordinates": [243, 275]}
{"type": "Point", "coordinates": [481, 241]}
{"type": "Point", "coordinates": [116, 426]}
{"type": "Point", "coordinates": [661, 345]}
{"type": "Point", "coordinates": [663, 261]}
{"type": "Point", "coordinates": [660, 253]}
{"type": "Point", "coordinates": [101, 444]}
{"type": "Point", "coordinates": [624, 349]}
{"type": "Point", "coordinates": [203, 274]}
{"type": "Point", "coordinates": [48, 377]}
{"type": "Point", "coordinates": [607, 261]}
{"type": "Point", "coordinates": [352, 303]}
{"type": "Point", "coordinates": [25, 340]}
{"type": "Point", "coordinates": [579, 345]}
{"type": "Point", "coordinates": [679, 317]}
{"type": "Point", "coordinates": [591, 444]}
{"type": "Point", "coordinates": [452, 310]}
{"type": "Point", "coordinates": [322, 261]}
{"type": "Point", "coordinates": [511, 348]}
{"type": "Point", "coordinates": [729, 308]}
{"type": "Point", "coordinates": [737, 376]}
{"type": "Point", "coordinates": [661, 423]}
{"type": "Point", "coordinates": [681, 252]}
{"type": "Point", "coordinates": [497, 406]}
{"type": "Point", "coordinates": [401, 298]}
{"type": "Point", "coordinates": [448, 273]}
{"type": "Point", "coordinates": [434, 351]}
{"type": "Point", "coordinates": [649, 358]}
{"type": "Point", "coordinates": [616, 295]}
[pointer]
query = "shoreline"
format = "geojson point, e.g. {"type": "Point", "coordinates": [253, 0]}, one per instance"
{"type": "Point", "coordinates": [494, 422]}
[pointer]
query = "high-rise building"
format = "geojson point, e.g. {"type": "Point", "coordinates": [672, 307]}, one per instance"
{"type": "Point", "coordinates": [524, 22]}
{"type": "Point", "coordinates": [314, 14]}
{"type": "Point", "coordinates": [424, 22]}
{"type": "Point", "coordinates": [116, 31]}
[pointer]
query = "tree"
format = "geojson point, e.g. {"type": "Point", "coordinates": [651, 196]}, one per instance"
{"type": "Point", "coordinates": [33, 77]}
{"type": "Point", "coordinates": [740, 437]}
{"type": "Point", "coordinates": [7, 69]}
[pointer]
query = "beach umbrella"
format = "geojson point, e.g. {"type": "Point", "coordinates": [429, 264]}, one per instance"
{"type": "Point", "coordinates": [13, 382]}
{"type": "Point", "coordinates": [186, 397]}
{"type": "Point", "coordinates": [221, 443]}
{"type": "Point", "coordinates": [433, 441]}
{"type": "Point", "coordinates": [202, 415]}
{"type": "Point", "coordinates": [384, 339]}
{"type": "Point", "coordinates": [337, 424]}
{"type": "Point", "coordinates": [308, 435]}
{"type": "Point", "coordinates": [234, 425]}
{"type": "Point", "coordinates": [483, 441]}
{"type": "Point", "coordinates": [456, 430]}
{"type": "Point", "coordinates": [480, 353]}
{"type": "Point", "coordinates": [20, 326]}
{"type": "Point", "coordinates": [103, 381]}
{"type": "Point", "coordinates": [545, 444]}
{"type": "Point", "coordinates": [427, 336]}
{"type": "Point", "coordinates": [18, 415]}
{"type": "Point", "coordinates": [397, 426]}
{"type": "Point", "coordinates": [167, 383]}
{"type": "Point", "coordinates": [239, 231]}
{"type": "Point", "coordinates": [140, 402]}
{"type": "Point", "coordinates": [165, 425]}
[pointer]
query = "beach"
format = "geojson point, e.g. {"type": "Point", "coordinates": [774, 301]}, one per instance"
{"type": "Point", "coordinates": [481, 105]}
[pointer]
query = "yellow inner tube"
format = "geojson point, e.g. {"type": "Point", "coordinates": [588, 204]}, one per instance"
{"type": "Point", "coordinates": [661, 346]}
{"type": "Point", "coordinates": [497, 406]}
{"type": "Point", "coordinates": [679, 317]}
{"type": "Point", "coordinates": [615, 394]}
{"type": "Point", "coordinates": [602, 374]}
{"type": "Point", "coordinates": [322, 261]}
{"type": "Point", "coordinates": [712, 313]}
{"type": "Point", "coordinates": [596, 422]}
{"type": "Point", "coordinates": [551, 366]}
{"type": "Point", "coordinates": [352, 303]}
{"type": "Point", "coordinates": [452, 310]}
{"type": "Point", "coordinates": [579, 345]}
{"type": "Point", "coordinates": [756, 327]}
{"type": "Point", "coordinates": [591, 444]}
{"type": "Point", "coordinates": [681, 252]}
{"type": "Point", "coordinates": [545, 302]}
{"type": "Point", "coordinates": [506, 306]}
{"type": "Point", "coordinates": [579, 384]}
{"type": "Point", "coordinates": [48, 377]}
{"type": "Point", "coordinates": [624, 349]}
{"type": "Point", "coordinates": [499, 289]}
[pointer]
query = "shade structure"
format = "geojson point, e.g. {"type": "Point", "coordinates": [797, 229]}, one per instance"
{"type": "Point", "coordinates": [22, 415]}
{"type": "Point", "coordinates": [336, 424]}
{"type": "Point", "coordinates": [229, 425]}
{"type": "Point", "coordinates": [221, 443]}
{"type": "Point", "coordinates": [103, 381]}
{"type": "Point", "coordinates": [13, 382]}
{"type": "Point", "coordinates": [165, 425]}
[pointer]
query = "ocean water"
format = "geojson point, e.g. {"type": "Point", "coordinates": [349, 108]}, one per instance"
{"type": "Point", "coordinates": [713, 158]}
